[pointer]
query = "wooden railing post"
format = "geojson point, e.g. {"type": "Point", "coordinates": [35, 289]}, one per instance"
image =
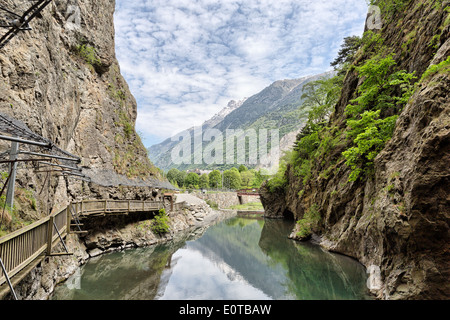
{"type": "Point", "coordinates": [69, 218]}
{"type": "Point", "coordinates": [104, 209]}
{"type": "Point", "coordinates": [128, 206]}
{"type": "Point", "coordinates": [50, 234]}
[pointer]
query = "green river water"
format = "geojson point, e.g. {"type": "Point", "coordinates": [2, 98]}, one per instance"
{"type": "Point", "coordinates": [237, 259]}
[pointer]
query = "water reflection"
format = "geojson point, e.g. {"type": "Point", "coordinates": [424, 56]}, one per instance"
{"type": "Point", "coordinates": [237, 259]}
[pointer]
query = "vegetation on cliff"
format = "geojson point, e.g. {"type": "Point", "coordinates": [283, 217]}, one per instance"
{"type": "Point", "coordinates": [370, 116]}
{"type": "Point", "coordinates": [316, 137]}
{"type": "Point", "coordinates": [372, 180]}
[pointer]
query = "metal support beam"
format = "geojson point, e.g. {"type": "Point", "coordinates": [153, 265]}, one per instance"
{"type": "Point", "coordinates": [62, 241]}
{"type": "Point", "coordinates": [8, 280]}
{"type": "Point", "coordinates": [69, 173]}
{"type": "Point", "coordinates": [50, 156]}
{"type": "Point", "coordinates": [23, 160]}
{"type": "Point", "coordinates": [13, 171]}
{"type": "Point", "coordinates": [76, 177]}
{"type": "Point", "coordinates": [59, 165]}
{"type": "Point", "coordinates": [50, 235]}
{"type": "Point", "coordinates": [35, 143]}
{"type": "Point", "coordinates": [22, 23]}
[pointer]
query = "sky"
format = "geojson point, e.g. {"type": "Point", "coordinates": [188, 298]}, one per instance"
{"type": "Point", "coordinates": [184, 60]}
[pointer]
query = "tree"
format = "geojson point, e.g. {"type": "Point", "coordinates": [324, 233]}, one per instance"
{"type": "Point", "coordinates": [160, 223]}
{"type": "Point", "coordinates": [347, 53]}
{"type": "Point", "coordinates": [242, 168]}
{"type": "Point", "coordinates": [215, 179]}
{"type": "Point", "coordinates": [247, 178]}
{"type": "Point", "coordinates": [176, 177]}
{"type": "Point", "coordinates": [320, 97]}
{"type": "Point", "coordinates": [259, 178]}
{"type": "Point", "coordinates": [373, 114]}
{"type": "Point", "coordinates": [232, 179]}
{"type": "Point", "coordinates": [204, 181]}
{"type": "Point", "coordinates": [192, 180]}
{"type": "Point", "coordinates": [172, 175]}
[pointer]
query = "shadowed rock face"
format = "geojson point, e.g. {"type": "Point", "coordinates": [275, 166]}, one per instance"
{"type": "Point", "coordinates": [63, 81]}
{"type": "Point", "coordinates": [398, 220]}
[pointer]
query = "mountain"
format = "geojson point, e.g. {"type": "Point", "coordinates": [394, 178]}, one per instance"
{"type": "Point", "coordinates": [160, 153]}
{"type": "Point", "coordinates": [275, 107]}
{"type": "Point", "coordinates": [218, 118]}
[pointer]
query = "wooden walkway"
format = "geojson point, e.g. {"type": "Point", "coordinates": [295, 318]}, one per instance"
{"type": "Point", "coordinates": [23, 249]}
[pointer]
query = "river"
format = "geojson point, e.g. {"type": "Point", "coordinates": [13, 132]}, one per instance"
{"type": "Point", "coordinates": [237, 259]}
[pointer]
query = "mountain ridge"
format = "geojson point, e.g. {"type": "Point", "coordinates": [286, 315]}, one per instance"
{"type": "Point", "coordinates": [264, 110]}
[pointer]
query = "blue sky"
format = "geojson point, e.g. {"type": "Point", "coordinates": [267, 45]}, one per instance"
{"type": "Point", "coordinates": [185, 59]}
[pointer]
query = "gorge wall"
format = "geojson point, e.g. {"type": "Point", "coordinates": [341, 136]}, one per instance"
{"type": "Point", "coordinates": [396, 221]}
{"type": "Point", "coordinates": [62, 79]}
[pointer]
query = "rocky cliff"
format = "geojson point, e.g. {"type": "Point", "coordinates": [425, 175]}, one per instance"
{"type": "Point", "coordinates": [63, 81]}
{"type": "Point", "coordinates": [396, 221]}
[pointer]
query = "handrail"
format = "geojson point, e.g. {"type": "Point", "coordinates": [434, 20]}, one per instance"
{"type": "Point", "coordinates": [85, 207]}
{"type": "Point", "coordinates": [21, 247]}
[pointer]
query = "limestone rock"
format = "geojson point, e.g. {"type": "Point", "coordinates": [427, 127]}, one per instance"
{"type": "Point", "coordinates": [77, 99]}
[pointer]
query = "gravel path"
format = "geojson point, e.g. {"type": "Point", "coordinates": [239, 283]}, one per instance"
{"type": "Point", "coordinates": [190, 199]}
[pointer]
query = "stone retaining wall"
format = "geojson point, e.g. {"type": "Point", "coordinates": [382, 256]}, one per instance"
{"type": "Point", "coordinates": [226, 199]}
{"type": "Point", "coordinates": [223, 199]}
{"type": "Point", "coordinates": [249, 199]}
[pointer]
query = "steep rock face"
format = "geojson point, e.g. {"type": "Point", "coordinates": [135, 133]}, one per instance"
{"type": "Point", "coordinates": [63, 81]}
{"type": "Point", "coordinates": [396, 222]}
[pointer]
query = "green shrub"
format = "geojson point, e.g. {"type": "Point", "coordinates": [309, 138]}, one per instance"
{"type": "Point", "coordinates": [160, 223]}
{"type": "Point", "coordinates": [310, 220]}
{"type": "Point", "coordinates": [212, 204]}
{"type": "Point", "coordinates": [443, 67]}
{"type": "Point", "coordinates": [89, 54]}
{"type": "Point", "coordinates": [382, 88]}
{"type": "Point", "coordinates": [278, 182]}
{"type": "Point", "coordinates": [390, 7]}
{"type": "Point", "coordinates": [369, 142]}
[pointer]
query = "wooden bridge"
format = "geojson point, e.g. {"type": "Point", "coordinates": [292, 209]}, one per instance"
{"type": "Point", "coordinates": [248, 192]}
{"type": "Point", "coordinates": [24, 249]}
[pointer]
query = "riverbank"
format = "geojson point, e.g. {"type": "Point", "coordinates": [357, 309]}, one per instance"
{"type": "Point", "coordinates": [109, 235]}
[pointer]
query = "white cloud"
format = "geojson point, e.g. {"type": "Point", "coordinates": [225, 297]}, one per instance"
{"type": "Point", "coordinates": [184, 60]}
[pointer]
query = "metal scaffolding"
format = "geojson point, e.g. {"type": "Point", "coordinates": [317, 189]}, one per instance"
{"type": "Point", "coordinates": [15, 22]}
{"type": "Point", "coordinates": [42, 153]}
{"type": "Point", "coordinates": [18, 132]}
